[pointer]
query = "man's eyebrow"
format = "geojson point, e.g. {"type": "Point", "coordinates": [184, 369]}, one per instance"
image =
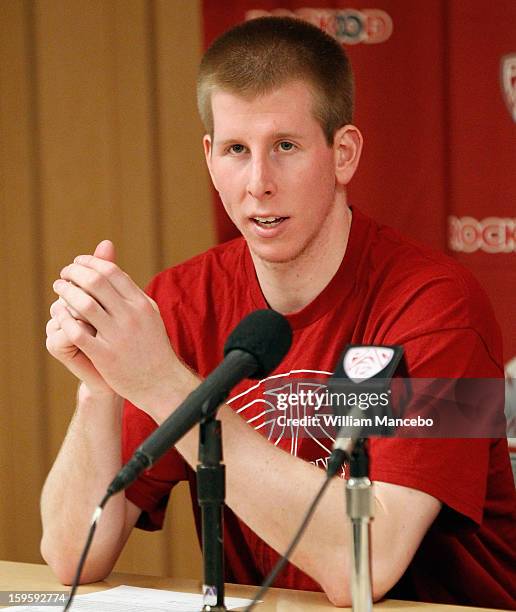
{"type": "Point", "coordinates": [275, 136]}
{"type": "Point", "coordinates": [227, 141]}
{"type": "Point", "coordinates": [280, 135]}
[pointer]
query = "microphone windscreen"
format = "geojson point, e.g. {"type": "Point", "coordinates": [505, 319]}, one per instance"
{"type": "Point", "coordinates": [265, 334]}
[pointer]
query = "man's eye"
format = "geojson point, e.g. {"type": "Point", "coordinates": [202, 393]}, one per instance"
{"type": "Point", "coordinates": [236, 148]}
{"type": "Point", "coordinates": [286, 145]}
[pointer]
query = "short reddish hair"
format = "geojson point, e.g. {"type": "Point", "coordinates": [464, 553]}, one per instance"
{"type": "Point", "coordinates": [263, 54]}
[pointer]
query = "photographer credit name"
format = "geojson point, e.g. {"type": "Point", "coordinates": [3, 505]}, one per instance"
{"type": "Point", "coordinates": [332, 420]}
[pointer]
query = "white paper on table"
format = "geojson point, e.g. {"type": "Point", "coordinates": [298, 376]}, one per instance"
{"type": "Point", "coordinates": [136, 599]}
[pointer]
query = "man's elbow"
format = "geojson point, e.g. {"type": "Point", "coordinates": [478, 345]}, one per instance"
{"type": "Point", "coordinates": [64, 566]}
{"type": "Point", "coordinates": [337, 587]}
{"type": "Point", "coordinates": [336, 583]}
{"type": "Point", "coordinates": [339, 595]}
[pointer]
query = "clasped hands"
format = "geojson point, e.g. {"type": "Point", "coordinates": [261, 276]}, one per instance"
{"type": "Point", "coordinates": [110, 335]}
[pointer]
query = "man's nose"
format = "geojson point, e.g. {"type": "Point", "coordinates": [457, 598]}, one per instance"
{"type": "Point", "coordinates": [261, 184]}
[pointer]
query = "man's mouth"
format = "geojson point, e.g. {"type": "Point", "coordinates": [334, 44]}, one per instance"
{"type": "Point", "coordinates": [268, 221]}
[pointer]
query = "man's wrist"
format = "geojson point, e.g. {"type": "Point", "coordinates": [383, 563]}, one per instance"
{"type": "Point", "coordinates": [169, 396]}
{"type": "Point", "coordinates": [85, 395]}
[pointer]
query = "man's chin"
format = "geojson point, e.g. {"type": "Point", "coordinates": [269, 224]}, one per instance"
{"type": "Point", "coordinates": [274, 256]}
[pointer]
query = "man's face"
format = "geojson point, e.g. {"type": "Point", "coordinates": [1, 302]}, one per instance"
{"type": "Point", "coordinates": [273, 169]}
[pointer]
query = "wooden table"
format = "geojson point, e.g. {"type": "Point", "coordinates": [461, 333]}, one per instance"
{"type": "Point", "coordinates": [33, 577]}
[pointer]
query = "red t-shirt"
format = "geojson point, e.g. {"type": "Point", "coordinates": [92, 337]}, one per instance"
{"type": "Point", "coordinates": [386, 291]}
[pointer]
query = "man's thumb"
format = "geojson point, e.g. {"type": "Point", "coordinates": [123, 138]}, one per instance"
{"type": "Point", "coordinates": [105, 250]}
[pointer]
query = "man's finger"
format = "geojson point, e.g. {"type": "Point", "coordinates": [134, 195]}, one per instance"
{"type": "Point", "coordinates": [58, 338]}
{"type": "Point", "coordinates": [52, 326]}
{"type": "Point", "coordinates": [121, 281]}
{"type": "Point", "coordinates": [95, 284]}
{"type": "Point", "coordinates": [60, 303]}
{"type": "Point", "coordinates": [56, 308]}
{"type": "Point", "coordinates": [88, 308]}
{"type": "Point", "coordinates": [73, 312]}
{"type": "Point", "coordinates": [87, 328]}
{"type": "Point", "coordinates": [105, 250]}
{"type": "Point", "coordinates": [78, 333]}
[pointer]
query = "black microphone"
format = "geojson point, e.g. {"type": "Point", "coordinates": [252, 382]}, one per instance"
{"type": "Point", "coordinates": [254, 348]}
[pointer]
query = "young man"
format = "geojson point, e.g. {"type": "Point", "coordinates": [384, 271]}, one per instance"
{"type": "Point", "coordinates": [275, 95]}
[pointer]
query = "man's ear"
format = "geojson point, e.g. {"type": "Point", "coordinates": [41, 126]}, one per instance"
{"type": "Point", "coordinates": [347, 146]}
{"type": "Point", "coordinates": [206, 141]}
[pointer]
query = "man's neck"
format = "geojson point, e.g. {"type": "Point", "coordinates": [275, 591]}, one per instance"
{"type": "Point", "coordinates": [289, 287]}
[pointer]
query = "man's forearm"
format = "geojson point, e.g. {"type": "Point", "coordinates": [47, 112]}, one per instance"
{"type": "Point", "coordinates": [87, 461]}
{"type": "Point", "coordinates": [269, 498]}
{"type": "Point", "coordinates": [271, 490]}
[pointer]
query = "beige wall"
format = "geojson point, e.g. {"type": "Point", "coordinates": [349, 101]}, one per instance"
{"type": "Point", "coordinates": [99, 138]}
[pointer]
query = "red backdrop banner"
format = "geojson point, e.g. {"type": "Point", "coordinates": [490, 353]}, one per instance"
{"type": "Point", "coordinates": [436, 102]}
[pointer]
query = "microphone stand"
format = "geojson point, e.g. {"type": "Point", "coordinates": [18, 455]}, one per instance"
{"type": "Point", "coordinates": [211, 491]}
{"type": "Point", "coordinates": [359, 507]}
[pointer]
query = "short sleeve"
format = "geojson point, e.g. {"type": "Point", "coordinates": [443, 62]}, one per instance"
{"type": "Point", "coordinates": [453, 470]}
